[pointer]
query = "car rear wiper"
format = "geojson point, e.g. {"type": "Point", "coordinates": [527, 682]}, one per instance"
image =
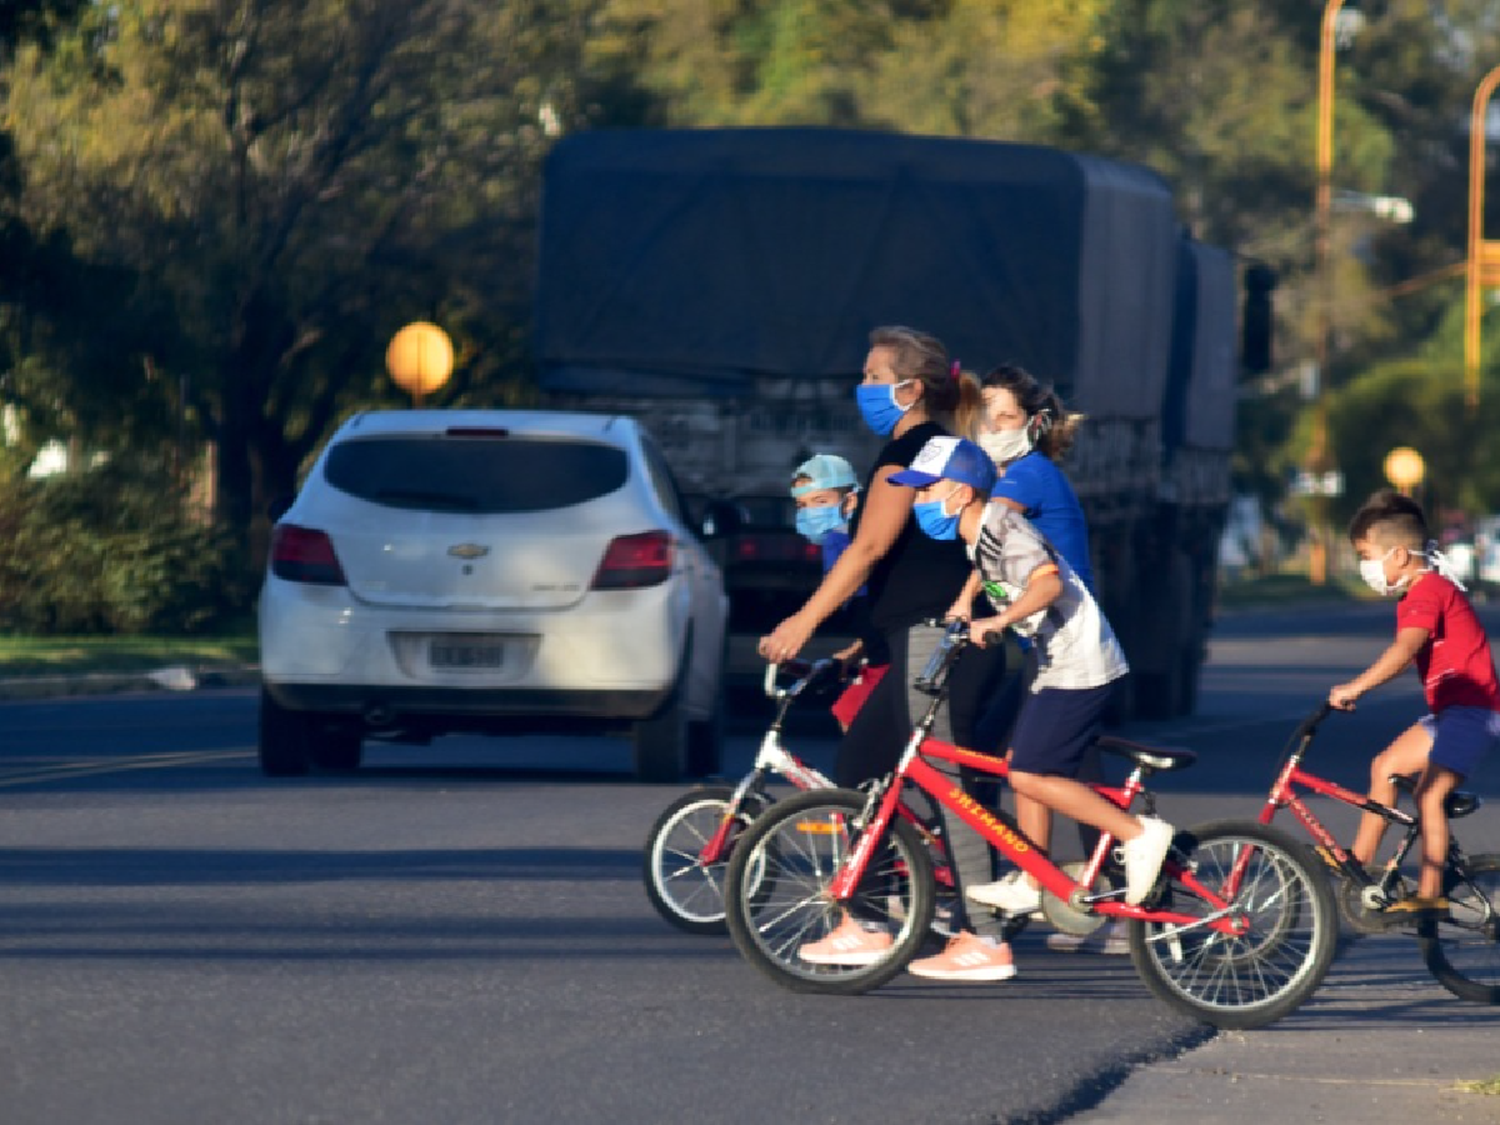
{"type": "Point", "coordinates": [418, 498]}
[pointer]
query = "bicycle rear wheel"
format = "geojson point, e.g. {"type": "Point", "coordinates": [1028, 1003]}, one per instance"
{"type": "Point", "coordinates": [1463, 951]}
{"type": "Point", "coordinates": [1255, 977]}
{"type": "Point", "coordinates": [777, 900]}
{"type": "Point", "coordinates": [684, 890]}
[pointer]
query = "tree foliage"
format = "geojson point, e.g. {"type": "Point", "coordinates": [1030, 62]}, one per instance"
{"type": "Point", "coordinates": [215, 213]}
{"type": "Point", "coordinates": [284, 184]}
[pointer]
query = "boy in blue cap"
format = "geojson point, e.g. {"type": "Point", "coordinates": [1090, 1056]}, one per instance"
{"type": "Point", "coordinates": [1037, 594]}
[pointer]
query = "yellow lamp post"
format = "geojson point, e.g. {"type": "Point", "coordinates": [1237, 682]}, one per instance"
{"type": "Point", "coordinates": [1319, 456]}
{"type": "Point", "coordinates": [1404, 468]}
{"type": "Point", "coordinates": [420, 359]}
{"type": "Point", "coordinates": [1484, 256]}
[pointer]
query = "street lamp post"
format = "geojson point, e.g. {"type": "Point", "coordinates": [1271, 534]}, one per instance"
{"type": "Point", "coordinates": [1484, 256]}
{"type": "Point", "coordinates": [1319, 458]}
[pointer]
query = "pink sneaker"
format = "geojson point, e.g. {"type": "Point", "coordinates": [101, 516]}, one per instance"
{"type": "Point", "coordinates": [968, 957]}
{"type": "Point", "coordinates": [849, 944]}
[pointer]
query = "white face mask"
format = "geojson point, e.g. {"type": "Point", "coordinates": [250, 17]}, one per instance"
{"type": "Point", "coordinates": [1373, 572]}
{"type": "Point", "coordinates": [1005, 446]}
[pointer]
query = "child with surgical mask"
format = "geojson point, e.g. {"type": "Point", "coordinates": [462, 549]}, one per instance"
{"type": "Point", "coordinates": [826, 492]}
{"type": "Point", "coordinates": [1438, 631]}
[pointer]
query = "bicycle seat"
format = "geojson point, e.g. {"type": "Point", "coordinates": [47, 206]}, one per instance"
{"type": "Point", "coordinates": [1151, 757]}
{"type": "Point", "coordinates": [1459, 803]}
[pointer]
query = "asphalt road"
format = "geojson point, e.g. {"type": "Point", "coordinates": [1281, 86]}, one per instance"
{"type": "Point", "coordinates": [458, 933]}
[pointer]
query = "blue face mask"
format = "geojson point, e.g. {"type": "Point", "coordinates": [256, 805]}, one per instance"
{"type": "Point", "coordinates": [877, 404]}
{"type": "Point", "coordinates": [933, 518]}
{"type": "Point", "coordinates": [815, 523]}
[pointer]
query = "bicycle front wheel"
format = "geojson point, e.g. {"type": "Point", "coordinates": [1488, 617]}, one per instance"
{"type": "Point", "coordinates": [685, 890]}
{"type": "Point", "coordinates": [777, 897]}
{"type": "Point", "coordinates": [1289, 927]}
{"type": "Point", "coordinates": [1462, 951]}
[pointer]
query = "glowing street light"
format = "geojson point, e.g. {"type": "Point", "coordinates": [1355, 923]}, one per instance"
{"type": "Point", "coordinates": [1404, 468]}
{"type": "Point", "coordinates": [420, 359]}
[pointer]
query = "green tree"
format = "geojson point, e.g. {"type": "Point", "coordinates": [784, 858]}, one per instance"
{"type": "Point", "coordinates": [292, 181]}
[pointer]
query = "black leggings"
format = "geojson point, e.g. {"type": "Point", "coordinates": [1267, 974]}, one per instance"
{"type": "Point", "coordinates": [873, 743]}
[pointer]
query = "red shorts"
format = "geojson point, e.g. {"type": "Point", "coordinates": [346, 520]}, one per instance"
{"type": "Point", "coordinates": [847, 705]}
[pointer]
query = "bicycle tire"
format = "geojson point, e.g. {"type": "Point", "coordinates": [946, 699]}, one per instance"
{"type": "Point", "coordinates": [1463, 951]}
{"type": "Point", "coordinates": [686, 892]}
{"type": "Point", "coordinates": [1253, 979]}
{"type": "Point", "coordinates": [798, 846]}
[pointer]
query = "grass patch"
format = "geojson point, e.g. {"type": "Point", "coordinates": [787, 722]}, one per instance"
{"type": "Point", "coordinates": [1272, 590]}
{"type": "Point", "coordinates": [1489, 1086]}
{"type": "Point", "coordinates": [63, 656]}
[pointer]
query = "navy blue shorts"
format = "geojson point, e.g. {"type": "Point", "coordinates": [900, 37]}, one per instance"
{"type": "Point", "coordinates": [1056, 727]}
{"type": "Point", "coordinates": [1461, 736]}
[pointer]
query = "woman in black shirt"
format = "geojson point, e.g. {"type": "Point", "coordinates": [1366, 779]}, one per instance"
{"type": "Point", "coordinates": [910, 578]}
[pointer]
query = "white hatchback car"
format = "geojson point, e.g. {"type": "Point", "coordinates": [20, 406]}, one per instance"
{"type": "Point", "coordinates": [494, 571]}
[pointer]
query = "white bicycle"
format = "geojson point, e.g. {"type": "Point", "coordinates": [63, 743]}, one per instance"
{"type": "Point", "coordinates": [689, 846]}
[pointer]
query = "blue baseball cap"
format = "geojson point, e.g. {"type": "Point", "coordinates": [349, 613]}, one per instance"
{"type": "Point", "coordinates": [950, 458]}
{"type": "Point", "coordinates": [826, 470]}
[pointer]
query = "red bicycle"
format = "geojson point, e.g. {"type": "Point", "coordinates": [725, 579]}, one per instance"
{"type": "Point", "coordinates": [1239, 930]}
{"type": "Point", "coordinates": [1462, 950]}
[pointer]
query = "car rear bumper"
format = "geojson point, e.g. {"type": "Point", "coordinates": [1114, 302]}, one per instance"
{"type": "Point", "coordinates": [441, 709]}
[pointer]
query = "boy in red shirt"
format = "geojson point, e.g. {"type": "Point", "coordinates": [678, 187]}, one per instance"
{"type": "Point", "coordinates": [1436, 628]}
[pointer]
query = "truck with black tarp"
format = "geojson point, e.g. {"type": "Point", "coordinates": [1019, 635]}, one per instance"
{"type": "Point", "coordinates": [721, 284]}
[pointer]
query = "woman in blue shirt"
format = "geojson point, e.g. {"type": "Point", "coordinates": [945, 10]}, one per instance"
{"type": "Point", "coordinates": [1024, 427]}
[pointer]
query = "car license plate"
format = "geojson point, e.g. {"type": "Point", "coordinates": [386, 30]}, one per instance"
{"type": "Point", "coordinates": [456, 655]}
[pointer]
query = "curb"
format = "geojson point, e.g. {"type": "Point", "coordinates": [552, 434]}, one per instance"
{"type": "Point", "coordinates": [177, 678]}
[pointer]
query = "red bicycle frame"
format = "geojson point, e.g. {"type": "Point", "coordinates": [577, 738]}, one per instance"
{"type": "Point", "coordinates": [1284, 793]}
{"type": "Point", "coordinates": [949, 793]}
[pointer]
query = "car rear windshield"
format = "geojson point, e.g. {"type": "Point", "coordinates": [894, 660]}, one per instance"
{"type": "Point", "coordinates": [439, 473]}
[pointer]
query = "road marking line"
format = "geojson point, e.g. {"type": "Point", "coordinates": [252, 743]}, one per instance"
{"type": "Point", "coordinates": [122, 765]}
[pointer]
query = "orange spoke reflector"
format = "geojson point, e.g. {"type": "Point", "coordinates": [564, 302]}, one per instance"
{"type": "Point", "coordinates": [819, 827]}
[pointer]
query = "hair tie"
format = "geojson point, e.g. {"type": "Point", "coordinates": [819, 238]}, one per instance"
{"type": "Point", "coordinates": [954, 369]}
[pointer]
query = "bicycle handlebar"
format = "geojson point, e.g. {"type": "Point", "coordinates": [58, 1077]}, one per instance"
{"type": "Point", "coordinates": [1312, 722]}
{"type": "Point", "coordinates": [807, 674]}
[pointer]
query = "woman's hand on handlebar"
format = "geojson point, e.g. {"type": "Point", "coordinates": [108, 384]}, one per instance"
{"type": "Point", "coordinates": [785, 641]}
{"type": "Point", "coordinates": [1342, 697]}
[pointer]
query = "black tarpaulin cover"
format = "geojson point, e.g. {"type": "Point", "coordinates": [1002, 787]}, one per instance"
{"type": "Point", "coordinates": [694, 261]}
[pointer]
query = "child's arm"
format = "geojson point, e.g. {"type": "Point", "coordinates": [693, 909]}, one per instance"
{"type": "Point", "coordinates": [1391, 663]}
{"type": "Point", "coordinates": [1043, 587]}
{"type": "Point", "coordinates": [963, 605]}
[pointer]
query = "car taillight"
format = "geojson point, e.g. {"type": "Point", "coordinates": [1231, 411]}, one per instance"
{"type": "Point", "coordinates": [776, 548]}
{"type": "Point", "coordinates": [300, 554]}
{"type": "Point", "coordinates": [634, 561]}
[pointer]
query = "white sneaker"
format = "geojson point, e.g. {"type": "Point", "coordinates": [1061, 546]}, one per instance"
{"type": "Point", "coordinates": [1143, 858]}
{"type": "Point", "coordinates": [1013, 894]}
{"type": "Point", "coordinates": [1114, 944]}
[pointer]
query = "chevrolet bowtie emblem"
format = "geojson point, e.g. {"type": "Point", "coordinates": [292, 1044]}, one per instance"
{"type": "Point", "coordinates": [468, 551]}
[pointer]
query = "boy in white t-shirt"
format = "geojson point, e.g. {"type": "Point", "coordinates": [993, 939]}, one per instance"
{"type": "Point", "coordinates": [1038, 595]}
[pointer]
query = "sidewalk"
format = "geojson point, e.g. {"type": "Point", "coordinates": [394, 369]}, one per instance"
{"type": "Point", "coordinates": [1381, 1043]}
{"type": "Point", "coordinates": [175, 677]}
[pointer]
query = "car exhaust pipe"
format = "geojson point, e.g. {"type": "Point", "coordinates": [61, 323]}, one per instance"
{"type": "Point", "coordinates": [378, 714]}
